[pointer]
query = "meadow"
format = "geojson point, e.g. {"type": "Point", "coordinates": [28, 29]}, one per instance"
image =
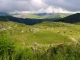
{"type": "Point", "coordinates": [43, 41]}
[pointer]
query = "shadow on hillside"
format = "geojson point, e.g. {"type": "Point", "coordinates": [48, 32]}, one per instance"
{"type": "Point", "coordinates": [25, 21]}
{"type": "Point", "coordinates": [74, 18]}
{"type": "Point", "coordinates": [69, 19]}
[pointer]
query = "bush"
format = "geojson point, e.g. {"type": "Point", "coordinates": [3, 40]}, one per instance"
{"type": "Point", "coordinates": [6, 47]}
{"type": "Point", "coordinates": [64, 52]}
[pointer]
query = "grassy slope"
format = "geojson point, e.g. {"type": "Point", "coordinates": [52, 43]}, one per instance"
{"type": "Point", "coordinates": [33, 16]}
{"type": "Point", "coordinates": [43, 33]}
{"type": "Point", "coordinates": [56, 16]}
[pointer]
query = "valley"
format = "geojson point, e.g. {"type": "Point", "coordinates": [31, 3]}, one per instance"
{"type": "Point", "coordinates": [39, 37]}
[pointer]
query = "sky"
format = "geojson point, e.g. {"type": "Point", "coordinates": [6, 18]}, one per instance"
{"type": "Point", "coordinates": [40, 6]}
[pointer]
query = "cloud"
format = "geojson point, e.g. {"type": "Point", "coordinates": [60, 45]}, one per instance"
{"type": "Point", "coordinates": [39, 5]}
{"type": "Point", "coordinates": [49, 9]}
{"type": "Point", "coordinates": [12, 5]}
{"type": "Point", "coordinates": [71, 5]}
{"type": "Point", "coordinates": [21, 5]}
{"type": "Point", "coordinates": [53, 9]}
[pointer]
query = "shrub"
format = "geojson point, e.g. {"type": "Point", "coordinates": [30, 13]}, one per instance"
{"type": "Point", "coordinates": [6, 47]}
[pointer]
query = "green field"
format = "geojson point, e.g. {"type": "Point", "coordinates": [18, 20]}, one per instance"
{"type": "Point", "coordinates": [46, 16]}
{"type": "Point", "coordinates": [43, 33]}
{"type": "Point", "coordinates": [42, 36]}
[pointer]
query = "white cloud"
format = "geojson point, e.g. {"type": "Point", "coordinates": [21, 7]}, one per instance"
{"type": "Point", "coordinates": [53, 9]}
{"type": "Point", "coordinates": [37, 4]}
{"type": "Point", "coordinates": [71, 5]}
{"type": "Point", "coordinates": [21, 5]}
{"type": "Point", "coordinates": [48, 6]}
{"type": "Point", "coordinates": [49, 9]}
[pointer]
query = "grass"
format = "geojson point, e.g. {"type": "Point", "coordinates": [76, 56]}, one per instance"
{"type": "Point", "coordinates": [43, 41]}
{"type": "Point", "coordinates": [32, 16]}
{"type": "Point", "coordinates": [47, 16]}
{"type": "Point", "coordinates": [43, 33]}
{"type": "Point", "coordinates": [8, 51]}
{"type": "Point", "coordinates": [47, 37]}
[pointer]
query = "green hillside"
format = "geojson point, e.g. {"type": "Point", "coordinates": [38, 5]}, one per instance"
{"type": "Point", "coordinates": [46, 16]}
{"type": "Point", "coordinates": [42, 41]}
{"type": "Point", "coordinates": [43, 33]}
{"type": "Point", "coordinates": [53, 40]}
{"type": "Point", "coordinates": [74, 18]}
{"type": "Point", "coordinates": [32, 16]}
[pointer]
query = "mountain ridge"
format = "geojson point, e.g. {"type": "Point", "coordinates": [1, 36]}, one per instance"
{"type": "Point", "coordinates": [71, 19]}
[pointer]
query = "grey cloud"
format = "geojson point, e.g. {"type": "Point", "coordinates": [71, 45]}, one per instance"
{"type": "Point", "coordinates": [34, 5]}
{"type": "Point", "coordinates": [20, 5]}
{"type": "Point", "coordinates": [71, 5]}
{"type": "Point", "coordinates": [10, 5]}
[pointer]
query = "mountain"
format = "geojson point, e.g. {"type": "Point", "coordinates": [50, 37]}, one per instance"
{"type": "Point", "coordinates": [26, 21]}
{"type": "Point", "coordinates": [41, 15]}
{"type": "Point", "coordinates": [72, 18]}
{"type": "Point", "coordinates": [31, 19]}
{"type": "Point", "coordinates": [19, 41]}
{"type": "Point", "coordinates": [47, 15]}
{"type": "Point", "coordinates": [3, 14]}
